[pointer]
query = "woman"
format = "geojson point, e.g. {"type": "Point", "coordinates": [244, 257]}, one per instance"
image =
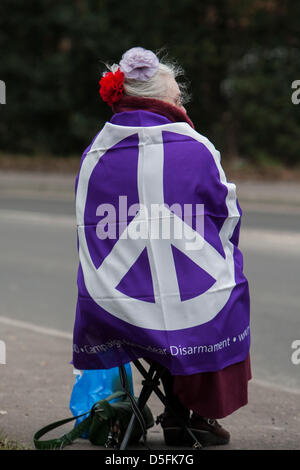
{"type": "Point", "coordinates": [178, 297]}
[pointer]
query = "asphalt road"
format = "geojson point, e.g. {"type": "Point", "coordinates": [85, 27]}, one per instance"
{"type": "Point", "coordinates": [38, 259]}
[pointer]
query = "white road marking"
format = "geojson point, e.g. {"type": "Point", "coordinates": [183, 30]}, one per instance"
{"type": "Point", "coordinates": [57, 195]}
{"type": "Point", "coordinates": [274, 386]}
{"type": "Point", "coordinates": [65, 335]}
{"type": "Point", "coordinates": [36, 328]}
{"type": "Point", "coordinates": [270, 240]}
{"type": "Point", "coordinates": [38, 218]}
{"type": "Point", "coordinates": [271, 208]}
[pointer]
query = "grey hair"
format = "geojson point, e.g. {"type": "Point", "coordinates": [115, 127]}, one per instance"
{"type": "Point", "coordinates": [158, 85]}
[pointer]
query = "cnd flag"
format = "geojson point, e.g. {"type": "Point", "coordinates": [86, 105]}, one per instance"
{"type": "Point", "coordinates": [176, 295]}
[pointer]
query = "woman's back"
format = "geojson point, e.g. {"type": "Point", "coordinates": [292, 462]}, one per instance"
{"type": "Point", "coordinates": [160, 272]}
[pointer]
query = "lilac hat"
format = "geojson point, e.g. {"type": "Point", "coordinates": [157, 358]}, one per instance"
{"type": "Point", "coordinates": [139, 64]}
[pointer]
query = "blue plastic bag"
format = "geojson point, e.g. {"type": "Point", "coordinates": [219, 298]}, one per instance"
{"type": "Point", "coordinates": [93, 385]}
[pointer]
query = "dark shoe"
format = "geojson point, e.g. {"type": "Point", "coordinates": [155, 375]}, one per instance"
{"type": "Point", "coordinates": [173, 431]}
{"type": "Point", "coordinates": [208, 431]}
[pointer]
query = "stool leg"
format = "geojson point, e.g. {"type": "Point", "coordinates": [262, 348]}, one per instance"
{"type": "Point", "coordinates": [163, 399]}
{"type": "Point", "coordinates": [128, 433]}
{"type": "Point", "coordinates": [182, 423]}
{"type": "Point", "coordinates": [141, 402]}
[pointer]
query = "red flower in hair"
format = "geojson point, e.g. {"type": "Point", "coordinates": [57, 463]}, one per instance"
{"type": "Point", "coordinates": [111, 86]}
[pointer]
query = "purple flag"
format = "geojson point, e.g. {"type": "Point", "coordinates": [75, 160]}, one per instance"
{"type": "Point", "coordinates": [160, 272]}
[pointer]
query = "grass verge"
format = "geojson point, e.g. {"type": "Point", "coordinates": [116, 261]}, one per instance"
{"type": "Point", "coordinates": [8, 444]}
{"type": "Point", "coordinates": [235, 169]}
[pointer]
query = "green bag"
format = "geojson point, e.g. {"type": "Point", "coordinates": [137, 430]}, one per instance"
{"type": "Point", "coordinates": [106, 424]}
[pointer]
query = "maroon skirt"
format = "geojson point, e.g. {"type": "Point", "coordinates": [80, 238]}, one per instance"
{"type": "Point", "coordinates": [215, 394]}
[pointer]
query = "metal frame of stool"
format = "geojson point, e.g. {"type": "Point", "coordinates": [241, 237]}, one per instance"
{"type": "Point", "coordinates": [151, 384]}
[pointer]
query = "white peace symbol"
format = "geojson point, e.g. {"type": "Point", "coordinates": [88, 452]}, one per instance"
{"type": "Point", "coordinates": [168, 312]}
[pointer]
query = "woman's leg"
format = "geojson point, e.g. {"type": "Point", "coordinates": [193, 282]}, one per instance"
{"type": "Point", "coordinates": [168, 384]}
{"type": "Point", "coordinates": [208, 431]}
